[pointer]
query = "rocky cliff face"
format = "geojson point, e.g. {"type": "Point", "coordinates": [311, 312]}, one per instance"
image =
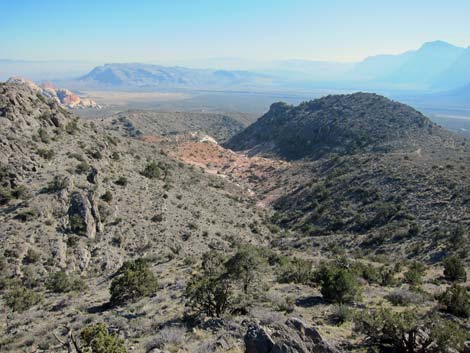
{"type": "Point", "coordinates": [63, 96]}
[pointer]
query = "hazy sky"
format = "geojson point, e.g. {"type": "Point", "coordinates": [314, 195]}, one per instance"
{"type": "Point", "coordinates": [165, 30]}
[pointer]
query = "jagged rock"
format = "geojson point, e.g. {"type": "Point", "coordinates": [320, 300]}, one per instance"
{"type": "Point", "coordinates": [257, 340]}
{"type": "Point", "coordinates": [92, 176]}
{"type": "Point", "coordinates": [83, 215]}
{"type": "Point", "coordinates": [292, 337]}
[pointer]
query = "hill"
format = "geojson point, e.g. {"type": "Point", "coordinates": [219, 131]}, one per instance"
{"type": "Point", "coordinates": [138, 123]}
{"type": "Point", "coordinates": [365, 168]}
{"type": "Point", "coordinates": [340, 124]}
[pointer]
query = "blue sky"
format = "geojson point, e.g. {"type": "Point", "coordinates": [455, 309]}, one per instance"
{"type": "Point", "coordinates": [157, 30]}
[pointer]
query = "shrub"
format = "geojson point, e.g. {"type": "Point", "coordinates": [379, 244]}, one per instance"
{"type": "Point", "coordinates": [407, 332]}
{"type": "Point", "coordinates": [60, 282]}
{"type": "Point", "coordinates": [82, 168]}
{"type": "Point", "coordinates": [454, 269]}
{"type": "Point", "coordinates": [404, 297]}
{"type": "Point", "coordinates": [57, 184]}
{"type": "Point", "coordinates": [338, 285]}
{"type": "Point", "coordinates": [45, 153]}
{"type": "Point", "coordinates": [456, 301]}
{"type": "Point", "coordinates": [31, 257]}
{"type": "Point", "coordinates": [415, 273]}
{"type": "Point", "coordinates": [341, 314]}
{"type": "Point", "coordinates": [71, 127]}
{"type": "Point", "coordinates": [20, 298]}
{"type": "Point", "coordinates": [209, 295]}
{"type": "Point", "coordinates": [77, 224]}
{"type": "Point", "coordinates": [133, 281]}
{"type": "Point", "coordinates": [296, 271]}
{"type": "Point", "coordinates": [5, 195]}
{"type": "Point", "coordinates": [97, 339]}
{"type": "Point", "coordinates": [107, 196]}
{"type": "Point", "coordinates": [121, 181]}
{"type": "Point", "coordinates": [152, 170]}
{"type": "Point", "coordinates": [43, 135]}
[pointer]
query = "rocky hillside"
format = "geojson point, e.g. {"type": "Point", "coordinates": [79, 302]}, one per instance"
{"type": "Point", "coordinates": [366, 169]}
{"type": "Point", "coordinates": [342, 124]}
{"type": "Point", "coordinates": [162, 244]}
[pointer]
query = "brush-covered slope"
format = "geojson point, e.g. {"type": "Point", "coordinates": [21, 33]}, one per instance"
{"type": "Point", "coordinates": [341, 124]}
{"type": "Point", "coordinates": [78, 198]}
{"type": "Point", "coordinates": [137, 123]}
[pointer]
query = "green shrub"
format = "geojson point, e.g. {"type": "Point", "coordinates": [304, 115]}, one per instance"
{"type": "Point", "coordinates": [45, 153]}
{"type": "Point", "coordinates": [31, 257]}
{"type": "Point", "coordinates": [77, 224]}
{"type": "Point", "coordinates": [414, 275]}
{"type": "Point", "coordinates": [296, 271]}
{"type": "Point", "coordinates": [60, 282]}
{"type": "Point", "coordinates": [338, 285]}
{"type": "Point", "coordinates": [152, 170]}
{"type": "Point", "coordinates": [57, 184]}
{"type": "Point", "coordinates": [454, 269]}
{"type": "Point", "coordinates": [341, 314]}
{"type": "Point", "coordinates": [82, 168]}
{"type": "Point", "coordinates": [107, 196]}
{"type": "Point", "coordinates": [244, 266]}
{"type": "Point", "coordinates": [97, 339]}
{"type": "Point", "coordinates": [209, 295]}
{"type": "Point", "coordinates": [133, 281]}
{"type": "Point", "coordinates": [5, 195]}
{"type": "Point", "coordinates": [456, 301]}
{"type": "Point", "coordinates": [72, 127]}
{"type": "Point", "coordinates": [121, 181]}
{"type": "Point", "coordinates": [20, 298]}
{"type": "Point", "coordinates": [408, 332]}
{"type": "Point", "coordinates": [43, 135]}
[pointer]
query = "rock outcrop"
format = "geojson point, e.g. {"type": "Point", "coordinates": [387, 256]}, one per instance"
{"type": "Point", "coordinates": [83, 215]}
{"type": "Point", "coordinates": [62, 96]}
{"type": "Point", "coordinates": [292, 337]}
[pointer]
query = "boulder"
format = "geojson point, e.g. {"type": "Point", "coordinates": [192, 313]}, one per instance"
{"type": "Point", "coordinates": [292, 337]}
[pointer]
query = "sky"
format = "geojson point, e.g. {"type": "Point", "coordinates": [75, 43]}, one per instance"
{"type": "Point", "coordinates": [175, 30]}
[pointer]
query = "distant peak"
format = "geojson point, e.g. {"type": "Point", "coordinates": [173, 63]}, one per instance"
{"type": "Point", "coordinates": [437, 44]}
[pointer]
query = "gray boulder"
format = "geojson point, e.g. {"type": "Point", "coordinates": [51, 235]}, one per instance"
{"type": "Point", "coordinates": [292, 337]}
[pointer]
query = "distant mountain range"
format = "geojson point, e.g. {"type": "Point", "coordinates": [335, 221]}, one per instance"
{"type": "Point", "coordinates": [436, 65]}
{"type": "Point", "coordinates": [158, 76]}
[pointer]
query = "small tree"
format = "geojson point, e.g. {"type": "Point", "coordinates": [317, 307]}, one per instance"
{"type": "Point", "coordinates": [133, 281]}
{"type": "Point", "coordinates": [454, 269]}
{"type": "Point", "coordinates": [210, 292]}
{"type": "Point", "coordinates": [407, 332]}
{"type": "Point", "coordinates": [456, 301]}
{"type": "Point", "coordinates": [97, 339]}
{"type": "Point", "coordinates": [244, 265]}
